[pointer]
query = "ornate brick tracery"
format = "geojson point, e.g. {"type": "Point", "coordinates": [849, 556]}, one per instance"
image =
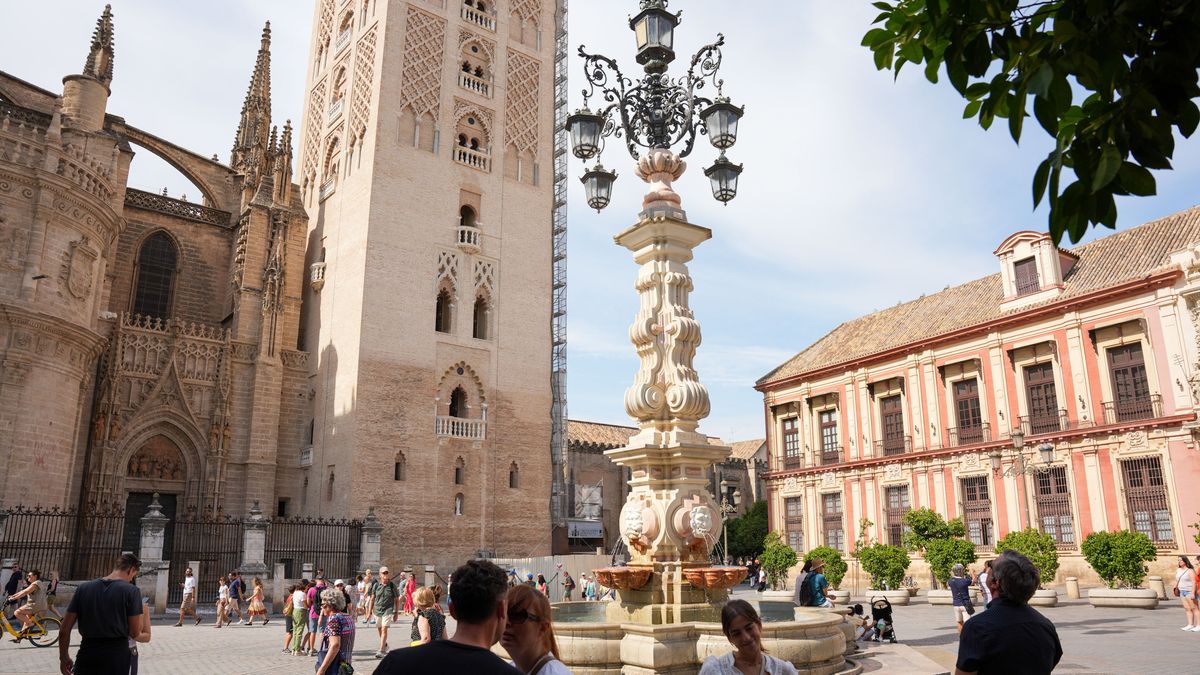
{"type": "Point", "coordinates": [364, 74]}
{"type": "Point", "coordinates": [521, 111]}
{"type": "Point", "coordinates": [424, 45]}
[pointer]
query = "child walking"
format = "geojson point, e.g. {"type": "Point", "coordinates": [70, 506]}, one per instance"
{"type": "Point", "coordinates": [256, 607]}
{"type": "Point", "coordinates": [222, 601]}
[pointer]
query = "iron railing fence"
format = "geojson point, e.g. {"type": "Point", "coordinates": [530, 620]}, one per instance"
{"type": "Point", "coordinates": [333, 545]}
{"type": "Point", "coordinates": [62, 540]}
{"type": "Point", "coordinates": [213, 541]}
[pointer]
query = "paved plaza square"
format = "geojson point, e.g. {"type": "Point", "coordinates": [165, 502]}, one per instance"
{"type": "Point", "coordinates": [1098, 641]}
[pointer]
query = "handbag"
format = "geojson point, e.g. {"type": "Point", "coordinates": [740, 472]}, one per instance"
{"type": "Point", "coordinates": [1175, 591]}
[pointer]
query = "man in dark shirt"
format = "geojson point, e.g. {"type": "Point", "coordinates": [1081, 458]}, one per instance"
{"type": "Point", "coordinates": [477, 602]}
{"type": "Point", "coordinates": [1011, 637]}
{"type": "Point", "coordinates": [108, 611]}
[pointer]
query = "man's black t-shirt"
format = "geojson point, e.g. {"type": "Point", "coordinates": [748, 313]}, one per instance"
{"type": "Point", "coordinates": [444, 656]}
{"type": "Point", "coordinates": [104, 607]}
{"type": "Point", "coordinates": [1008, 638]}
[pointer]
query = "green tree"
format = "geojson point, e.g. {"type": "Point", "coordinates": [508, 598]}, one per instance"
{"type": "Point", "coordinates": [1119, 557]}
{"type": "Point", "coordinates": [1036, 545]}
{"type": "Point", "coordinates": [885, 563]}
{"type": "Point", "coordinates": [747, 532]}
{"type": "Point", "coordinates": [925, 525]}
{"type": "Point", "coordinates": [835, 567]}
{"type": "Point", "coordinates": [1135, 62]}
{"type": "Point", "coordinates": [777, 558]}
{"type": "Point", "coordinates": [943, 554]}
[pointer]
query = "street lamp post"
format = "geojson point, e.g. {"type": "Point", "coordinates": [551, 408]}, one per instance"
{"type": "Point", "coordinates": [1026, 467]}
{"type": "Point", "coordinates": [726, 509]}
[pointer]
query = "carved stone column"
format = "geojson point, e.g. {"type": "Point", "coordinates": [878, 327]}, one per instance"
{"type": "Point", "coordinates": [372, 540]}
{"type": "Point", "coordinates": [254, 543]}
{"type": "Point", "coordinates": [154, 532]}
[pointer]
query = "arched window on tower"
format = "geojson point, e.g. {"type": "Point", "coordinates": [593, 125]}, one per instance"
{"type": "Point", "coordinates": [157, 262]}
{"type": "Point", "coordinates": [401, 466]}
{"type": "Point", "coordinates": [442, 312]}
{"type": "Point", "coordinates": [460, 471]}
{"type": "Point", "coordinates": [479, 329]}
{"type": "Point", "coordinates": [458, 403]}
{"type": "Point", "coordinates": [514, 475]}
{"type": "Point", "coordinates": [467, 217]}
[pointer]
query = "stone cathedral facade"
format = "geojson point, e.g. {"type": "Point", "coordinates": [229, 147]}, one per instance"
{"type": "Point", "coordinates": [372, 332]}
{"type": "Point", "coordinates": [426, 170]}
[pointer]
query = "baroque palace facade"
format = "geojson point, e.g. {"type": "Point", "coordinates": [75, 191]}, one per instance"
{"type": "Point", "coordinates": [373, 333]}
{"type": "Point", "coordinates": [1090, 354]}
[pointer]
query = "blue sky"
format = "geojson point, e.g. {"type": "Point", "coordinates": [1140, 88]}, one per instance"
{"type": "Point", "coordinates": [859, 192]}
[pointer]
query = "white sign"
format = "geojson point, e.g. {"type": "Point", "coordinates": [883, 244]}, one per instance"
{"type": "Point", "coordinates": [585, 529]}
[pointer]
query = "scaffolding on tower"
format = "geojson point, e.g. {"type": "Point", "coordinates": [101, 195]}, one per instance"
{"type": "Point", "coordinates": [558, 314]}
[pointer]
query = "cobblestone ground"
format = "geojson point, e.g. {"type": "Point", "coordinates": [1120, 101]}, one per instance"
{"type": "Point", "coordinates": [1095, 641]}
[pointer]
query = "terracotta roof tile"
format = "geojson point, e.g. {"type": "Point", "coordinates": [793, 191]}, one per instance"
{"type": "Point", "coordinates": [746, 449]}
{"type": "Point", "coordinates": [606, 435]}
{"type": "Point", "coordinates": [1106, 262]}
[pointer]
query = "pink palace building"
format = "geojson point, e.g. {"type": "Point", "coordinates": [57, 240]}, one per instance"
{"type": "Point", "coordinates": [1061, 391]}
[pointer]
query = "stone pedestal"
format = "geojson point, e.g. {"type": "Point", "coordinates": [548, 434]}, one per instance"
{"type": "Point", "coordinates": [1156, 584]}
{"type": "Point", "coordinates": [372, 536]}
{"type": "Point", "coordinates": [1127, 598]}
{"type": "Point", "coordinates": [162, 587]}
{"type": "Point", "coordinates": [254, 543]}
{"type": "Point", "coordinates": [154, 533]}
{"type": "Point", "coordinates": [1044, 598]}
{"type": "Point", "coordinates": [277, 584]}
{"type": "Point", "coordinates": [1073, 588]}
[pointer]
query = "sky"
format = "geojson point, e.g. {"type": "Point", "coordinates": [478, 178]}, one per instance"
{"type": "Point", "coordinates": [859, 191]}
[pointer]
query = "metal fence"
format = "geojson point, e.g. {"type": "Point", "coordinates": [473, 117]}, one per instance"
{"type": "Point", "coordinates": [213, 541]}
{"type": "Point", "coordinates": [330, 544]}
{"type": "Point", "coordinates": [62, 540]}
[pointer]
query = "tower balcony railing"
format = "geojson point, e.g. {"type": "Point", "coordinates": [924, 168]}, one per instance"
{"type": "Point", "coordinates": [479, 85]}
{"type": "Point", "coordinates": [479, 18]}
{"type": "Point", "coordinates": [335, 110]}
{"type": "Point", "coordinates": [317, 276]}
{"type": "Point", "coordinates": [476, 159]}
{"type": "Point", "coordinates": [469, 238]}
{"type": "Point", "coordinates": [1132, 409]}
{"type": "Point", "coordinates": [306, 456]}
{"type": "Point", "coordinates": [327, 189]}
{"type": "Point", "coordinates": [342, 41]}
{"type": "Point", "coordinates": [969, 434]}
{"type": "Point", "coordinates": [458, 427]}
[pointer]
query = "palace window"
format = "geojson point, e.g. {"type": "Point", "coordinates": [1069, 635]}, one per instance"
{"type": "Point", "coordinates": [156, 264]}
{"type": "Point", "coordinates": [967, 413]}
{"type": "Point", "coordinates": [1130, 386]}
{"type": "Point", "coordinates": [896, 501]}
{"type": "Point", "coordinates": [977, 510]}
{"type": "Point", "coordinates": [831, 519]}
{"type": "Point", "coordinates": [1054, 506]}
{"type": "Point", "coordinates": [794, 507]}
{"type": "Point", "coordinates": [891, 412]}
{"type": "Point", "coordinates": [1041, 399]}
{"type": "Point", "coordinates": [831, 452]}
{"type": "Point", "coordinates": [791, 443]}
{"type": "Point", "coordinates": [1146, 499]}
{"type": "Point", "coordinates": [458, 403]}
{"type": "Point", "coordinates": [1027, 276]}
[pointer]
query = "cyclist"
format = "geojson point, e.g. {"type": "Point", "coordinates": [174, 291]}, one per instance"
{"type": "Point", "coordinates": [35, 602]}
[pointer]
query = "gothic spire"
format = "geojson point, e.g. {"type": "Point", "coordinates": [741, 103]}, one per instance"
{"type": "Point", "coordinates": [251, 144]}
{"type": "Point", "coordinates": [100, 59]}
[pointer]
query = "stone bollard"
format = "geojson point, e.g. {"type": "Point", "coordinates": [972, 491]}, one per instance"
{"type": "Point", "coordinates": [430, 576]}
{"type": "Point", "coordinates": [277, 583]}
{"type": "Point", "coordinates": [162, 587]}
{"type": "Point", "coordinates": [1073, 588]}
{"type": "Point", "coordinates": [1156, 584]}
{"type": "Point", "coordinates": [306, 571]}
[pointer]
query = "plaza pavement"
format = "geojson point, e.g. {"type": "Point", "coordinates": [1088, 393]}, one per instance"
{"type": "Point", "coordinates": [1095, 641]}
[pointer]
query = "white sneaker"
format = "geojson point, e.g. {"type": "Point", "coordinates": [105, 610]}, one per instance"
{"type": "Point", "coordinates": [1187, 627]}
{"type": "Point", "coordinates": [1195, 629]}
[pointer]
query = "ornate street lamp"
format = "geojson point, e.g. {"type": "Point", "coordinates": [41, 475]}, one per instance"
{"type": "Point", "coordinates": [597, 186]}
{"type": "Point", "coordinates": [657, 111]}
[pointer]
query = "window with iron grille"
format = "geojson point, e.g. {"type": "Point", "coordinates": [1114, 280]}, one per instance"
{"type": "Point", "coordinates": [966, 407]}
{"type": "Point", "coordinates": [1131, 388]}
{"type": "Point", "coordinates": [831, 517]}
{"type": "Point", "coordinates": [977, 510]}
{"type": "Point", "coordinates": [1042, 399]}
{"type": "Point", "coordinates": [896, 500]}
{"type": "Point", "coordinates": [794, 523]}
{"type": "Point", "coordinates": [1054, 506]}
{"type": "Point", "coordinates": [1027, 276]}
{"type": "Point", "coordinates": [892, 413]}
{"type": "Point", "coordinates": [829, 433]}
{"type": "Point", "coordinates": [791, 443]}
{"type": "Point", "coordinates": [1146, 499]}
{"type": "Point", "coordinates": [156, 264]}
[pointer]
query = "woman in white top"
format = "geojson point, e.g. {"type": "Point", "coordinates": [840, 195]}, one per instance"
{"type": "Point", "coordinates": [189, 598]}
{"type": "Point", "coordinates": [528, 635]}
{"type": "Point", "coordinates": [743, 629]}
{"type": "Point", "coordinates": [1185, 584]}
{"type": "Point", "coordinates": [222, 601]}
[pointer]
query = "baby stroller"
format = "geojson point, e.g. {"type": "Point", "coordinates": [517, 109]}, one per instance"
{"type": "Point", "coordinates": [881, 617]}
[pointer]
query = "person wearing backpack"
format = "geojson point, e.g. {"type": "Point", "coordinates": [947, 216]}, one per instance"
{"type": "Point", "coordinates": [803, 593]}
{"type": "Point", "coordinates": [385, 608]}
{"type": "Point", "coordinates": [818, 585]}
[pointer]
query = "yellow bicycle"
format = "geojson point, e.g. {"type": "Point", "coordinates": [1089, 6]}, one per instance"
{"type": "Point", "coordinates": [43, 633]}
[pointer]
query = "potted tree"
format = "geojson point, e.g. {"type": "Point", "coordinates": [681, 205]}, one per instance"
{"type": "Point", "coordinates": [777, 558]}
{"type": "Point", "coordinates": [1119, 558]}
{"type": "Point", "coordinates": [925, 525]}
{"type": "Point", "coordinates": [835, 571]}
{"type": "Point", "coordinates": [886, 565]}
{"type": "Point", "coordinates": [1042, 551]}
{"type": "Point", "coordinates": [942, 555]}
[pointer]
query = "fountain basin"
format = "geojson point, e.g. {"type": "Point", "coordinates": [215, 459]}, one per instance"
{"type": "Point", "coordinates": [714, 578]}
{"type": "Point", "coordinates": [624, 578]}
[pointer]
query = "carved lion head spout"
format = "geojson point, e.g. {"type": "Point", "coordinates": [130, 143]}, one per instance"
{"type": "Point", "coordinates": [639, 525]}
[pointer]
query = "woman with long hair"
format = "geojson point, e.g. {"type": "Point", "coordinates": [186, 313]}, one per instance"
{"type": "Point", "coordinates": [542, 587]}
{"type": "Point", "coordinates": [222, 601]}
{"type": "Point", "coordinates": [410, 587]}
{"type": "Point", "coordinates": [743, 628]}
{"type": "Point", "coordinates": [1185, 588]}
{"type": "Point", "coordinates": [256, 606]}
{"type": "Point", "coordinates": [528, 634]}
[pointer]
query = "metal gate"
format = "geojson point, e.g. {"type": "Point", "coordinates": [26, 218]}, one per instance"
{"type": "Point", "coordinates": [332, 545]}
{"type": "Point", "coordinates": [215, 542]}
{"type": "Point", "coordinates": [77, 546]}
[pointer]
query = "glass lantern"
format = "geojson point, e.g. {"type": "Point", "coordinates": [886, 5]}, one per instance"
{"type": "Point", "coordinates": [597, 186]}
{"type": "Point", "coordinates": [721, 122]}
{"type": "Point", "coordinates": [585, 128]}
{"type": "Point", "coordinates": [724, 177]}
{"type": "Point", "coordinates": [655, 31]}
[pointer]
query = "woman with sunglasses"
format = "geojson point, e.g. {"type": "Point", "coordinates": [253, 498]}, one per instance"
{"type": "Point", "coordinates": [528, 635]}
{"type": "Point", "coordinates": [743, 628]}
{"type": "Point", "coordinates": [337, 643]}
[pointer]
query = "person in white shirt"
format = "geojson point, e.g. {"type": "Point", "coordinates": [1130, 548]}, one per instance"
{"type": "Point", "coordinates": [982, 581]}
{"type": "Point", "coordinates": [1185, 588]}
{"type": "Point", "coordinates": [743, 628]}
{"type": "Point", "coordinates": [189, 598]}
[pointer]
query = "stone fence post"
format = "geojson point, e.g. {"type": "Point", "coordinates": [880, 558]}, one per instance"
{"type": "Point", "coordinates": [254, 543]}
{"type": "Point", "coordinates": [372, 535]}
{"type": "Point", "coordinates": [155, 573]}
{"type": "Point", "coordinates": [277, 582]}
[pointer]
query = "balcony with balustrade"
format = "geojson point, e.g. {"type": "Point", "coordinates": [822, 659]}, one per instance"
{"type": "Point", "coordinates": [317, 276]}
{"type": "Point", "coordinates": [969, 435]}
{"type": "Point", "coordinates": [481, 19]}
{"type": "Point", "coordinates": [1048, 422]}
{"type": "Point", "coordinates": [469, 239]}
{"type": "Point", "coordinates": [342, 41]}
{"type": "Point", "coordinates": [476, 159]}
{"type": "Point", "coordinates": [327, 189]}
{"type": "Point", "coordinates": [1132, 409]}
{"type": "Point", "coordinates": [458, 427]}
{"type": "Point", "coordinates": [893, 445]}
{"type": "Point", "coordinates": [478, 85]}
{"type": "Point", "coordinates": [832, 455]}
{"type": "Point", "coordinates": [335, 110]}
{"type": "Point", "coordinates": [306, 456]}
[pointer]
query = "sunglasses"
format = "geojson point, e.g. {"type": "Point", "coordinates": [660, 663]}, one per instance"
{"type": "Point", "coordinates": [519, 616]}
